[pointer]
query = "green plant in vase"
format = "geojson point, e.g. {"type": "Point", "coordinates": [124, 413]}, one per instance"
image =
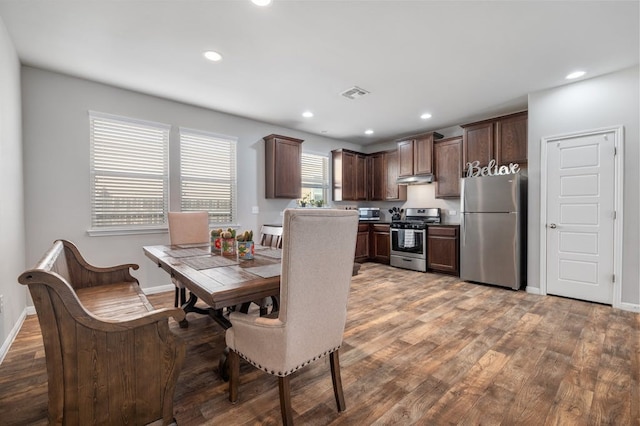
{"type": "Point", "coordinates": [245, 245]}
{"type": "Point", "coordinates": [216, 240]}
{"type": "Point", "coordinates": [228, 242]}
{"type": "Point", "coordinates": [305, 200]}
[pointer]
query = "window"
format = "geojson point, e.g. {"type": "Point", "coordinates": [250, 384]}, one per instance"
{"type": "Point", "coordinates": [129, 172]}
{"type": "Point", "coordinates": [208, 175]}
{"type": "Point", "coordinates": [315, 177]}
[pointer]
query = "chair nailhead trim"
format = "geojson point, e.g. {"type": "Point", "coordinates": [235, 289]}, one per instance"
{"type": "Point", "coordinates": [286, 373]}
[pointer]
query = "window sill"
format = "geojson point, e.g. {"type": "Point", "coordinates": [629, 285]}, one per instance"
{"type": "Point", "coordinates": [106, 232]}
{"type": "Point", "coordinates": [97, 232]}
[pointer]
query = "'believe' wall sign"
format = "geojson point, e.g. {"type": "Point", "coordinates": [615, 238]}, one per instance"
{"type": "Point", "coordinates": [492, 169]}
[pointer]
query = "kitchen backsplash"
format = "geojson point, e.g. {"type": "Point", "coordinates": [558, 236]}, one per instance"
{"type": "Point", "coordinates": [417, 196]}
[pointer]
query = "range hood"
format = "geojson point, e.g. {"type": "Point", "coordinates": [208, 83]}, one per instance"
{"type": "Point", "coordinates": [415, 180]}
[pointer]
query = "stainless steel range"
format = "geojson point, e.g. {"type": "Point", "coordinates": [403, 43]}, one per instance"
{"type": "Point", "coordinates": [409, 238]}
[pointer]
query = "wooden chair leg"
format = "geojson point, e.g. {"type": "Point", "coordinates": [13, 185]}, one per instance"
{"type": "Point", "coordinates": [285, 401]}
{"type": "Point", "coordinates": [234, 375]}
{"type": "Point", "coordinates": [337, 381]}
{"type": "Point", "coordinates": [176, 302]}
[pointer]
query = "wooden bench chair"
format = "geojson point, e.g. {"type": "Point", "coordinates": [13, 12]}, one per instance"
{"type": "Point", "coordinates": [111, 358]}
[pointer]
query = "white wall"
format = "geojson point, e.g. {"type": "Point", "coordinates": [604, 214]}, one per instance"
{"type": "Point", "coordinates": [12, 246]}
{"type": "Point", "coordinates": [609, 100]}
{"type": "Point", "coordinates": [56, 150]}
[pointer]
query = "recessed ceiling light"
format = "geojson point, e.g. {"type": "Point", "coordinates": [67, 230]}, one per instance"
{"type": "Point", "coordinates": [575, 74]}
{"type": "Point", "coordinates": [307, 114]}
{"type": "Point", "coordinates": [425, 116]}
{"type": "Point", "coordinates": [368, 132]}
{"type": "Point", "coordinates": [212, 56]}
{"type": "Point", "coordinates": [261, 2]}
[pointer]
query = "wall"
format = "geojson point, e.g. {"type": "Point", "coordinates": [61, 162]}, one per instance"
{"type": "Point", "coordinates": [605, 101]}
{"type": "Point", "coordinates": [56, 150]}
{"type": "Point", "coordinates": [12, 247]}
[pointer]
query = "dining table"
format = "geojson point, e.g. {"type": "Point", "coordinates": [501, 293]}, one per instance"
{"type": "Point", "coordinates": [224, 283]}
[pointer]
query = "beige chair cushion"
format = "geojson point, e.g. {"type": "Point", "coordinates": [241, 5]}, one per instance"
{"type": "Point", "coordinates": [317, 264]}
{"type": "Point", "coordinates": [189, 227]}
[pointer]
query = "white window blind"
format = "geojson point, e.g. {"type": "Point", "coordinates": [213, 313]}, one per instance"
{"type": "Point", "coordinates": [129, 172]}
{"type": "Point", "coordinates": [208, 175]}
{"type": "Point", "coordinates": [315, 176]}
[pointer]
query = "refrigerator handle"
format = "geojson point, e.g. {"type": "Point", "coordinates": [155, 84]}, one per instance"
{"type": "Point", "coordinates": [462, 233]}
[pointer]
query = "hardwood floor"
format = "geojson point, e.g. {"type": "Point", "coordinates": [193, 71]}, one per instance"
{"type": "Point", "coordinates": [421, 349]}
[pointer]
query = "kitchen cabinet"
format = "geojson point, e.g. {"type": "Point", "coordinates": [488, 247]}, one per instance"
{"type": "Point", "coordinates": [349, 175]}
{"type": "Point", "coordinates": [377, 177]}
{"type": "Point", "coordinates": [447, 155]}
{"type": "Point", "coordinates": [383, 172]}
{"type": "Point", "coordinates": [416, 154]}
{"type": "Point", "coordinates": [380, 243]}
{"type": "Point", "coordinates": [282, 167]}
{"type": "Point", "coordinates": [511, 139]}
{"type": "Point", "coordinates": [361, 184]}
{"type": "Point", "coordinates": [443, 249]}
{"type": "Point", "coordinates": [393, 191]}
{"type": "Point", "coordinates": [362, 243]}
{"type": "Point", "coordinates": [503, 139]}
{"type": "Point", "coordinates": [405, 158]}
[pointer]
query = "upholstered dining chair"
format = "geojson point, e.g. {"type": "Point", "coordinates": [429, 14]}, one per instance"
{"type": "Point", "coordinates": [187, 228]}
{"type": "Point", "coordinates": [317, 262]}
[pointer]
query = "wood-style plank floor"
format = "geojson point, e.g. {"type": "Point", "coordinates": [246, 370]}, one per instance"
{"type": "Point", "coordinates": [421, 349]}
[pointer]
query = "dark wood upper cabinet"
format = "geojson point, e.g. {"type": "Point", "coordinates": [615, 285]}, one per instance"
{"type": "Point", "coordinates": [511, 139]}
{"type": "Point", "coordinates": [503, 139]}
{"type": "Point", "coordinates": [383, 174]}
{"type": "Point", "coordinates": [393, 191]}
{"type": "Point", "coordinates": [478, 143]}
{"type": "Point", "coordinates": [423, 155]}
{"type": "Point", "coordinates": [349, 175]}
{"type": "Point", "coordinates": [405, 158]}
{"type": "Point", "coordinates": [361, 178]}
{"type": "Point", "coordinates": [377, 177]}
{"type": "Point", "coordinates": [447, 154]}
{"type": "Point", "coordinates": [282, 167]}
{"type": "Point", "coordinates": [416, 154]}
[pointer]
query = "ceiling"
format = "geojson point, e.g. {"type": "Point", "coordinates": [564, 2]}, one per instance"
{"type": "Point", "coordinates": [459, 61]}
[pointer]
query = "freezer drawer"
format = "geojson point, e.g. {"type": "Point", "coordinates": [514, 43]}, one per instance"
{"type": "Point", "coordinates": [490, 247]}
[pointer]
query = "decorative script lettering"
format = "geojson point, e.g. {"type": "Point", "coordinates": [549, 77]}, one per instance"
{"type": "Point", "coordinates": [492, 169]}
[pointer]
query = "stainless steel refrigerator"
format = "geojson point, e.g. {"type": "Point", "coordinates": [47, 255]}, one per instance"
{"type": "Point", "coordinates": [493, 230]}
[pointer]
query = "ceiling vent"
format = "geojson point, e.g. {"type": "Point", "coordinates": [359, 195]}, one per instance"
{"type": "Point", "coordinates": [354, 93]}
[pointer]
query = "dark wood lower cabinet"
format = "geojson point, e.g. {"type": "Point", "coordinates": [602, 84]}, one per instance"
{"type": "Point", "coordinates": [362, 243]}
{"type": "Point", "coordinates": [443, 249]}
{"type": "Point", "coordinates": [373, 243]}
{"type": "Point", "coordinates": [380, 243]}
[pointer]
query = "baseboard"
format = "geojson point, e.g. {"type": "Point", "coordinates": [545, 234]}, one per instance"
{"type": "Point", "coordinates": [533, 290]}
{"type": "Point", "coordinates": [632, 307]}
{"type": "Point", "coordinates": [12, 335]}
{"type": "Point", "coordinates": [159, 289]}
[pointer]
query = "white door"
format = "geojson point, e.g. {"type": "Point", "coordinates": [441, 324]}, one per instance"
{"type": "Point", "coordinates": [580, 217]}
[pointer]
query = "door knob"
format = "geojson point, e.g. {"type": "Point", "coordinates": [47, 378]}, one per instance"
{"type": "Point", "coordinates": [552, 225]}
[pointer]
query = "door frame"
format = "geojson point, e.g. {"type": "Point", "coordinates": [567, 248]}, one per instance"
{"type": "Point", "coordinates": [618, 133]}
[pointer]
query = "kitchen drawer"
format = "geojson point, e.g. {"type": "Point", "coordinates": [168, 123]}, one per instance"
{"type": "Point", "coordinates": [380, 227]}
{"type": "Point", "coordinates": [444, 231]}
{"type": "Point", "coordinates": [363, 227]}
